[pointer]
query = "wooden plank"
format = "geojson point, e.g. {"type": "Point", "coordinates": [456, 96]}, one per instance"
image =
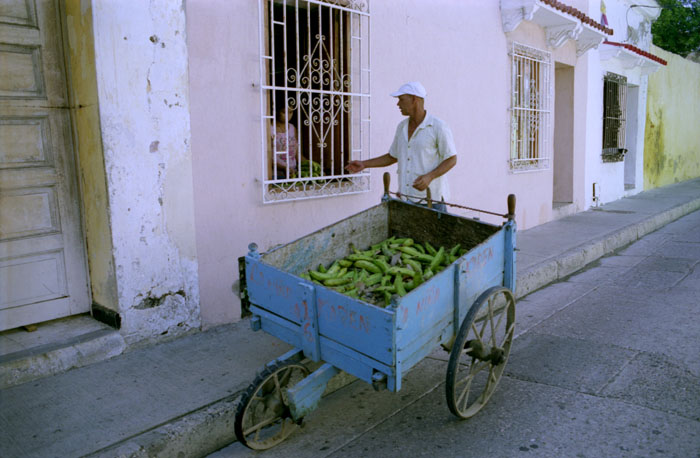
{"type": "Point", "coordinates": [278, 327]}
{"type": "Point", "coordinates": [479, 270]}
{"type": "Point", "coordinates": [358, 325]}
{"type": "Point", "coordinates": [419, 310]}
{"type": "Point", "coordinates": [356, 364]}
{"type": "Point", "coordinates": [305, 396]}
{"type": "Point", "coordinates": [412, 354]}
{"type": "Point", "coordinates": [278, 292]}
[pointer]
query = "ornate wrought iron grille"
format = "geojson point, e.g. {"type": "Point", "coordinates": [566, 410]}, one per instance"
{"type": "Point", "coordinates": [614, 117]}
{"type": "Point", "coordinates": [531, 112]}
{"type": "Point", "coordinates": [314, 98]}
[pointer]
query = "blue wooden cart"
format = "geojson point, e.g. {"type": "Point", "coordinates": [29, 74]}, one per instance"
{"type": "Point", "coordinates": [468, 308]}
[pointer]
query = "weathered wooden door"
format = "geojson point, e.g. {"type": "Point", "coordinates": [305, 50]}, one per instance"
{"type": "Point", "coordinates": [42, 259]}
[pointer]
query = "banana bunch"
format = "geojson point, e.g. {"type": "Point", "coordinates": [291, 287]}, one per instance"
{"type": "Point", "coordinates": [394, 266]}
{"type": "Point", "coordinates": [308, 169]}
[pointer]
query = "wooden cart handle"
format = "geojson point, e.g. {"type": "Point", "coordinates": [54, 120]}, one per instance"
{"type": "Point", "coordinates": [511, 206]}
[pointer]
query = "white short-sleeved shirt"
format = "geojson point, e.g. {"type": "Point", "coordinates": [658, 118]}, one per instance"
{"type": "Point", "coordinates": [429, 146]}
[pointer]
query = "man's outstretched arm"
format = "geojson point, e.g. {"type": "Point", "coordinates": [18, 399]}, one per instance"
{"type": "Point", "coordinates": [381, 161]}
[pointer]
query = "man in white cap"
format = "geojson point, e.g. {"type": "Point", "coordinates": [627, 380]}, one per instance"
{"type": "Point", "coordinates": [423, 146]}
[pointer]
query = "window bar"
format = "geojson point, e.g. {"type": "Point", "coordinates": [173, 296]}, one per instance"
{"type": "Point", "coordinates": [320, 86]}
{"type": "Point", "coordinates": [341, 67]}
{"type": "Point", "coordinates": [360, 55]}
{"type": "Point", "coordinates": [521, 114]}
{"type": "Point", "coordinates": [273, 79]}
{"type": "Point", "coordinates": [368, 99]}
{"type": "Point", "coordinates": [309, 78]}
{"type": "Point", "coordinates": [351, 108]}
{"type": "Point", "coordinates": [297, 107]}
{"type": "Point", "coordinates": [263, 60]}
{"type": "Point", "coordinates": [528, 113]}
{"type": "Point", "coordinates": [286, 93]}
{"type": "Point", "coordinates": [332, 89]}
{"type": "Point", "coordinates": [536, 128]}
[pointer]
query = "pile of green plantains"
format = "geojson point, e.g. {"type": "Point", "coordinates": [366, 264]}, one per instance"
{"type": "Point", "coordinates": [394, 266]}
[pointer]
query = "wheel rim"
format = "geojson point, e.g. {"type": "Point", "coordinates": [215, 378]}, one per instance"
{"type": "Point", "coordinates": [480, 352]}
{"type": "Point", "coordinates": [263, 419]}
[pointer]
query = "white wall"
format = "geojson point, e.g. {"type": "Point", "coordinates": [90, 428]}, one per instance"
{"type": "Point", "coordinates": [631, 25]}
{"type": "Point", "coordinates": [141, 66]}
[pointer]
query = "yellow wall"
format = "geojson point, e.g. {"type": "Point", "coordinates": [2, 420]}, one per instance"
{"type": "Point", "coordinates": [672, 133]}
{"type": "Point", "coordinates": [82, 84]}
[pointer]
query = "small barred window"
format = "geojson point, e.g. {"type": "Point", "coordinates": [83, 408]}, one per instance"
{"type": "Point", "coordinates": [531, 111]}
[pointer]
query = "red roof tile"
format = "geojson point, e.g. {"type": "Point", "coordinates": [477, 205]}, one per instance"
{"type": "Point", "coordinates": [578, 14]}
{"type": "Point", "coordinates": [636, 50]}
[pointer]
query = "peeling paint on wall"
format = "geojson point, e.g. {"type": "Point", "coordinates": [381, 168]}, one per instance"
{"type": "Point", "coordinates": [148, 164]}
{"type": "Point", "coordinates": [671, 141]}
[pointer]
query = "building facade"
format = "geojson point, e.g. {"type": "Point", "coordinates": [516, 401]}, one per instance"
{"type": "Point", "coordinates": [194, 129]}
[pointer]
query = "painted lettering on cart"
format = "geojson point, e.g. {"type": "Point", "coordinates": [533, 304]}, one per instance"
{"type": "Point", "coordinates": [307, 332]}
{"type": "Point", "coordinates": [429, 299]}
{"type": "Point", "coordinates": [298, 311]}
{"type": "Point", "coordinates": [301, 312]}
{"type": "Point", "coordinates": [275, 286]}
{"type": "Point", "coordinates": [254, 274]}
{"type": "Point", "coordinates": [345, 316]}
{"type": "Point", "coordinates": [478, 260]}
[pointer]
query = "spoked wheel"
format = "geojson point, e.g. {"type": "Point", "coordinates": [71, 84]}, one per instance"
{"type": "Point", "coordinates": [480, 352]}
{"type": "Point", "coordinates": [263, 418]}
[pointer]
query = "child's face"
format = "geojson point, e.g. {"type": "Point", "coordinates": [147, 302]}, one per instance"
{"type": "Point", "coordinates": [286, 115]}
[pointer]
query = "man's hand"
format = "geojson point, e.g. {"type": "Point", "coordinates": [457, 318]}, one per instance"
{"type": "Point", "coordinates": [422, 182]}
{"type": "Point", "coordinates": [355, 166]}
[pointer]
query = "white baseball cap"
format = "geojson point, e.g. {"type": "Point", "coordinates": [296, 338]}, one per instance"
{"type": "Point", "coordinates": [412, 88]}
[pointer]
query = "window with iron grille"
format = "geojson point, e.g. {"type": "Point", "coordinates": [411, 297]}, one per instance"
{"type": "Point", "coordinates": [315, 97]}
{"type": "Point", "coordinates": [614, 117]}
{"type": "Point", "coordinates": [531, 113]}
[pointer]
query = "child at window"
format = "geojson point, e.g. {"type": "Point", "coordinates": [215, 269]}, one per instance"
{"type": "Point", "coordinates": [285, 143]}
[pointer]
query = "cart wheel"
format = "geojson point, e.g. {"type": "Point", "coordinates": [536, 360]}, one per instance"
{"type": "Point", "coordinates": [263, 419]}
{"type": "Point", "coordinates": [480, 352]}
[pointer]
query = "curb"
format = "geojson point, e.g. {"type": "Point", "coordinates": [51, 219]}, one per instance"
{"type": "Point", "coordinates": [194, 434]}
{"type": "Point", "coordinates": [83, 350]}
{"type": "Point", "coordinates": [558, 267]}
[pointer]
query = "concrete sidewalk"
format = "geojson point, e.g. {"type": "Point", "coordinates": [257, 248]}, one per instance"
{"type": "Point", "coordinates": [179, 398]}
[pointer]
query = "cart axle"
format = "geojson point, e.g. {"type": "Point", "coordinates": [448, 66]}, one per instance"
{"type": "Point", "coordinates": [482, 352]}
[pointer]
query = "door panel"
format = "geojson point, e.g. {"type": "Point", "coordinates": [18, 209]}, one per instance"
{"type": "Point", "coordinates": [42, 264]}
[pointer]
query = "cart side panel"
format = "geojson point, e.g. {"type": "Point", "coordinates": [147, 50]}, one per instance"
{"type": "Point", "coordinates": [479, 270]}
{"type": "Point", "coordinates": [357, 325]}
{"type": "Point", "coordinates": [421, 318]}
{"type": "Point", "coordinates": [360, 326]}
{"type": "Point", "coordinates": [331, 242]}
{"type": "Point", "coordinates": [422, 308]}
{"type": "Point", "coordinates": [271, 289]}
{"type": "Point", "coordinates": [425, 317]}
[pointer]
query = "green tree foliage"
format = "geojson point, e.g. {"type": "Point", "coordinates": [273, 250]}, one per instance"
{"type": "Point", "coordinates": [678, 27]}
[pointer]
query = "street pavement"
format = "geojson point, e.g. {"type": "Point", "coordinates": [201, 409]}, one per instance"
{"type": "Point", "coordinates": [606, 363]}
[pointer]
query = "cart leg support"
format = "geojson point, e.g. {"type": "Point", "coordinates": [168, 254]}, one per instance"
{"type": "Point", "coordinates": [305, 395]}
